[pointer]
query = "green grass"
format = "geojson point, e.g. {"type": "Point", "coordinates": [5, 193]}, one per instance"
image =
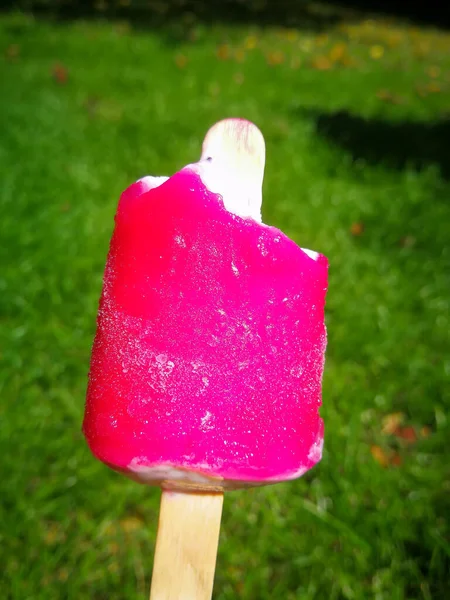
{"type": "Point", "coordinates": [357, 140]}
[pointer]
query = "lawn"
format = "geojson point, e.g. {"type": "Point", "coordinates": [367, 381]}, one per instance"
{"type": "Point", "coordinates": [356, 120]}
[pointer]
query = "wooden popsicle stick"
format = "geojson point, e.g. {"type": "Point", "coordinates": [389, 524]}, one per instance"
{"type": "Point", "coordinates": [232, 164]}
{"type": "Point", "coordinates": [186, 546]}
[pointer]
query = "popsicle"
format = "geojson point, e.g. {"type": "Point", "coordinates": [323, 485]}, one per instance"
{"type": "Point", "coordinates": [207, 363]}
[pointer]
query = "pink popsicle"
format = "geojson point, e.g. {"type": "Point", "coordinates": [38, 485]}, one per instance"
{"type": "Point", "coordinates": [207, 363]}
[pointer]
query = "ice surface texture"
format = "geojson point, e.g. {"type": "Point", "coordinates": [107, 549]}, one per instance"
{"type": "Point", "coordinates": [208, 358]}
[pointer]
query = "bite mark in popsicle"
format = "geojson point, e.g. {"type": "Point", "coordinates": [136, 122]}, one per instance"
{"type": "Point", "coordinates": [207, 364]}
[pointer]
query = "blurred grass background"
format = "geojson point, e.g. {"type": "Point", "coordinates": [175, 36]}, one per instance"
{"type": "Point", "coordinates": [355, 110]}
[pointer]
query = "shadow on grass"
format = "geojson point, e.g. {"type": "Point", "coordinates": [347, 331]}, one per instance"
{"type": "Point", "coordinates": [299, 14]}
{"type": "Point", "coordinates": [397, 145]}
{"type": "Point", "coordinates": [430, 12]}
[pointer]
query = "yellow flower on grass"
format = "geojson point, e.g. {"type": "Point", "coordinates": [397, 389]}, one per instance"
{"type": "Point", "coordinates": [250, 42]}
{"type": "Point", "coordinates": [305, 45]}
{"type": "Point", "coordinates": [113, 548]}
{"type": "Point", "coordinates": [239, 55]}
{"type": "Point", "coordinates": [181, 61]}
{"type": "Point", "coordinates": [223, 52]}
{"type": "Point", "coordinates": [430, 88]}
{"type": "Point", "coordinates": [337, 52]}
{"type": "Point", "coordinates": [131, 524]}
{"type": "Point", "coordinates": [54, 534]}
{"type": "Point", "coordinates": [434, 72]}
{"type": "Point", "coordinates": [321, 40]}
{"type": "Point", "coordinates": [321, 63]}
{"type": "Point", "coordinates": [388, 96]}
{"type": "Point", "coordinates": [63, 574]}
{"type": "Point", "coordinates": [421, 49]}
{"type": "Point", "coordinates": [394, 39]}
{"type": "Point", "coordinates": [376, 52]}
{"type": "Point", "coordinates": [433, 87]}
{"type": "Point", "coordinates": [291, 35]}
{"type": "Point", "coordinates": [392, 422]}
{"type": "Point", "coordinates": [275, 58]}
{"type": "Point", "coordinates": [113, 567]}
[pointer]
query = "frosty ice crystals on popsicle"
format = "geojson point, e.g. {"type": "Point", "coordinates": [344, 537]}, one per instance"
{"type": "Point", "coordinates": [207, 364]}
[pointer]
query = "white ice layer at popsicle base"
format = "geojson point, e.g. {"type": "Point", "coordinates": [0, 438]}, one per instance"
{"type": "Point", "coordinates": [176, 478]}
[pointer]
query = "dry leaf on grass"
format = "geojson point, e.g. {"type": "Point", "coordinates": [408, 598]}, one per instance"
{"type": "Point", "coordinates": [60, 74]}
{"type": "Point", "coordinates": [357, 229]}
